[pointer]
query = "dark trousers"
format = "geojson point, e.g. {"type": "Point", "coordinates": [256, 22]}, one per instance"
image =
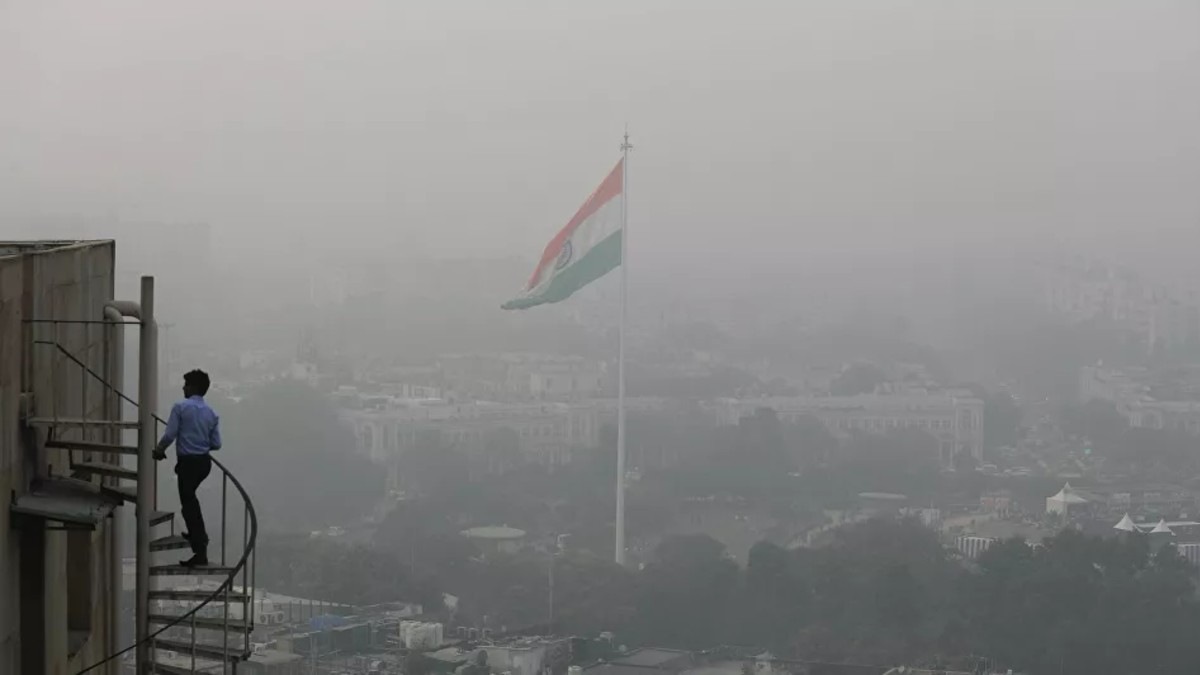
{"type": "Point", "coordinates": [191, 471]}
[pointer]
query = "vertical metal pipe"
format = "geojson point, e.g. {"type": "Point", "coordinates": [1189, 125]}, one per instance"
{"type": "Point", "coordinates": [146, 489]}
{"type": "Point", "coordinates": [114, 376]}
{"type": "Point", "coordinates": [111, 557]}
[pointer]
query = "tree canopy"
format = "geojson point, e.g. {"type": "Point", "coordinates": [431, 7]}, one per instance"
{"type": "Point", "coordinates": [285, 442]}
{"type": "Point", "coordinates": [859, 378]}
{"type": "Point", "coordinates": [882, 591]}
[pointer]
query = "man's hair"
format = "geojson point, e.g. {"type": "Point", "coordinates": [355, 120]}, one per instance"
{"type": "Point", "coordinates": [198, 380]}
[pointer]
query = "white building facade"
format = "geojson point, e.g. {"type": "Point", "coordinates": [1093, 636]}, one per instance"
{"type": "Point", "coordinates": [954, 418]}
{"type": "Point", "coordinates": [543, 433]}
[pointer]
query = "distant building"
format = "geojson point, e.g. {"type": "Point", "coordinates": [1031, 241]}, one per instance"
{"type": "Point", "coordinates": [386, 428]}
{"type": "Point", "coordinates": [645, 661]}
{"type": "Point", "coordinates": [973, 547]}
{"type": "Point", "coordinates": [954, 418]}
{"type": "Point", "coordinates": [1163, 399]}
{"type": "Point", "coordinates": [529, 655]}
{"type": "Point", "coordinates": [496, 538]}
{"type": "Point", "coordinates": [1143, 501]}
{"type": "Point", "coordinates": [421, 634]}
{"type": "Point", "coordinates": [522, 376]}
{"type": "Point", "coordinates": [1183, 535]}
{"type": "Point", "coordinates": [1190, 552]}
{"type": "Point", "coordinates": [998, 502]}
{"type": "Point", "coordinates": [1157, 315]}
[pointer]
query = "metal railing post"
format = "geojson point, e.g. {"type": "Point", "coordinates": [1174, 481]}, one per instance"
{"type": "Point", "coordinates": [193, 643]}
{"type": "Point", "coordinates": [86, 433]}
{"type": "Point", "coordinates": [248, 607]}
{"type": "Point", "coordinates": [54, 374]}
{"type": "Point", "coordinates": [253, 576]}
{"type": "Point", "coordinates": [224, 519]}
{"type": "Point", "coordinates": [146, 488]}
{"type": "Point", "coordinates": [158, 429]}
{"type": "Point", "coordinates": [225, 635]}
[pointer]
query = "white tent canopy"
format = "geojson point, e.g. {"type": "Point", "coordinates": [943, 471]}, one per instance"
{"type": "Point", "coordinates": [1062, 501]}
{"type": "Point", "coordinates": [1126, 525]}
{"type": "Point", "coordinates": [1161, 528]}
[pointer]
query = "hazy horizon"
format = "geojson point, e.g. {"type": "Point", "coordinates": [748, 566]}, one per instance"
{"type": "Point", "coordinates": [769, 133]}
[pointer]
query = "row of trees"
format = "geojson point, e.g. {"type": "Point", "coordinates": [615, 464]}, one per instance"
{"type": "Point", "coordinates": [883, 592]}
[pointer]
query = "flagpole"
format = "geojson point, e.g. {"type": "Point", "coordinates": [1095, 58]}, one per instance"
{"type": "Point", "coordinates": [620, 539]}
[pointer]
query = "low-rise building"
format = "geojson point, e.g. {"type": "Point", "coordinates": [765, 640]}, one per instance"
{"type": "Point", "coordinates": [973, 547]}
{"type": "Point", "coordinates": [646, 661]}
{"type": "Point", "coordinates": [386, 428]}
{"type": "Point", "coordinates": [421, 634]}
{"type": "Point", "coordinates": [953, 417]}
{"type": "Point", "coordinates": [522, 376]}
{"type": "Point", "coordinates": [1157, 315]}
{"type": "Point", "coordinates": [529, 655]}
{"type": "Point", "coordinates": [496, 538]}
{"type": "Point", "coordinates": [1163, 399]}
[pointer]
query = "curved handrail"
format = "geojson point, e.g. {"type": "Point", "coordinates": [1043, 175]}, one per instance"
{"type": "Point", "coordinates": [225, 585]}
{"type": "Point", "coordinates": [239, 567]}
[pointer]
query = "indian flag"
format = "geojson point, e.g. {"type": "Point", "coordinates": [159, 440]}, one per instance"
{"type": "Point", "coordinates": [585, 250]}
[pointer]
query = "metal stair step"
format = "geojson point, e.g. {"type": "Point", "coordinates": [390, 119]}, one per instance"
{"type": "Point", "coordinates": [180, 570]}
{"type": "Point", "coordinates": [101, 469]}
{"type": "Point", "coordinates": [128, 494]}
{"type": "Point", "coordinates": [157, 517]}
{"type": "Point", "coordinates": [169, 542]}
{"type": "Point", "coordinates": [180, 594]}
{"type": "Point", "coordinates": [89, 446]}
{"type": "Point", "coordinates": [79, 422]}
{"type": "Point", "coordinates": [168, 669]}
{"type": "Point", "coordinates": [209, 651]}
{"type": "Point", "coordinates": [209, 622]}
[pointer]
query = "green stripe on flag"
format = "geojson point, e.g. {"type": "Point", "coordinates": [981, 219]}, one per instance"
{"type": "Point", "coordinates": [603, 258]}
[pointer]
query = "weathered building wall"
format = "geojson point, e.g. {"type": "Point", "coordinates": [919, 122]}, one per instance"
{"type": "Point", "coordinates": [64, 282]}
{"type": "Point", "coordinates": [10, 458]}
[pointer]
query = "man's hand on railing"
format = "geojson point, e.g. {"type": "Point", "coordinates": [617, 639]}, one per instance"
{"type": "Point", "coordinates": [160, 450]}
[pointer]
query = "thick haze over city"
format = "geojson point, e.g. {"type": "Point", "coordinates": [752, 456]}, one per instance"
{"type": "Point", "coordinates": [764, 132]}
{"type": "Point", "coordinates": [879, 347]}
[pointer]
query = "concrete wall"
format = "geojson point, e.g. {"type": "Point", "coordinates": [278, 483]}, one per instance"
{"type": "Point", "coordinates": [66, 282]}
{"type": "Point", "coordinates": [10, 457]}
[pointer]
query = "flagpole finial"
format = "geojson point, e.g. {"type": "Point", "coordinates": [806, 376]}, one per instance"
{"type": "Point", "coordinates": [625, 144]}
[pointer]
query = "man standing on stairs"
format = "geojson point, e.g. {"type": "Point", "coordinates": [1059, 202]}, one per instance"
{"type": "Point", "coordinates": [194, 429]}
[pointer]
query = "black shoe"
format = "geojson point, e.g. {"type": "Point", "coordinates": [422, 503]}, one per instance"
{"type": "Point", "coordinates": [186, 536]}
{"type": "Point", "coordinates": [197, 560]}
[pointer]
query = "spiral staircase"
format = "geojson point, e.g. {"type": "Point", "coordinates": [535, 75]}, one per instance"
{"type": "Point", "coordinates": [188, 620]}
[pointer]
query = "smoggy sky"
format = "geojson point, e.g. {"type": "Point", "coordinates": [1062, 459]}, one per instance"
{"type": "Point", "coordinates": [764, 131]}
